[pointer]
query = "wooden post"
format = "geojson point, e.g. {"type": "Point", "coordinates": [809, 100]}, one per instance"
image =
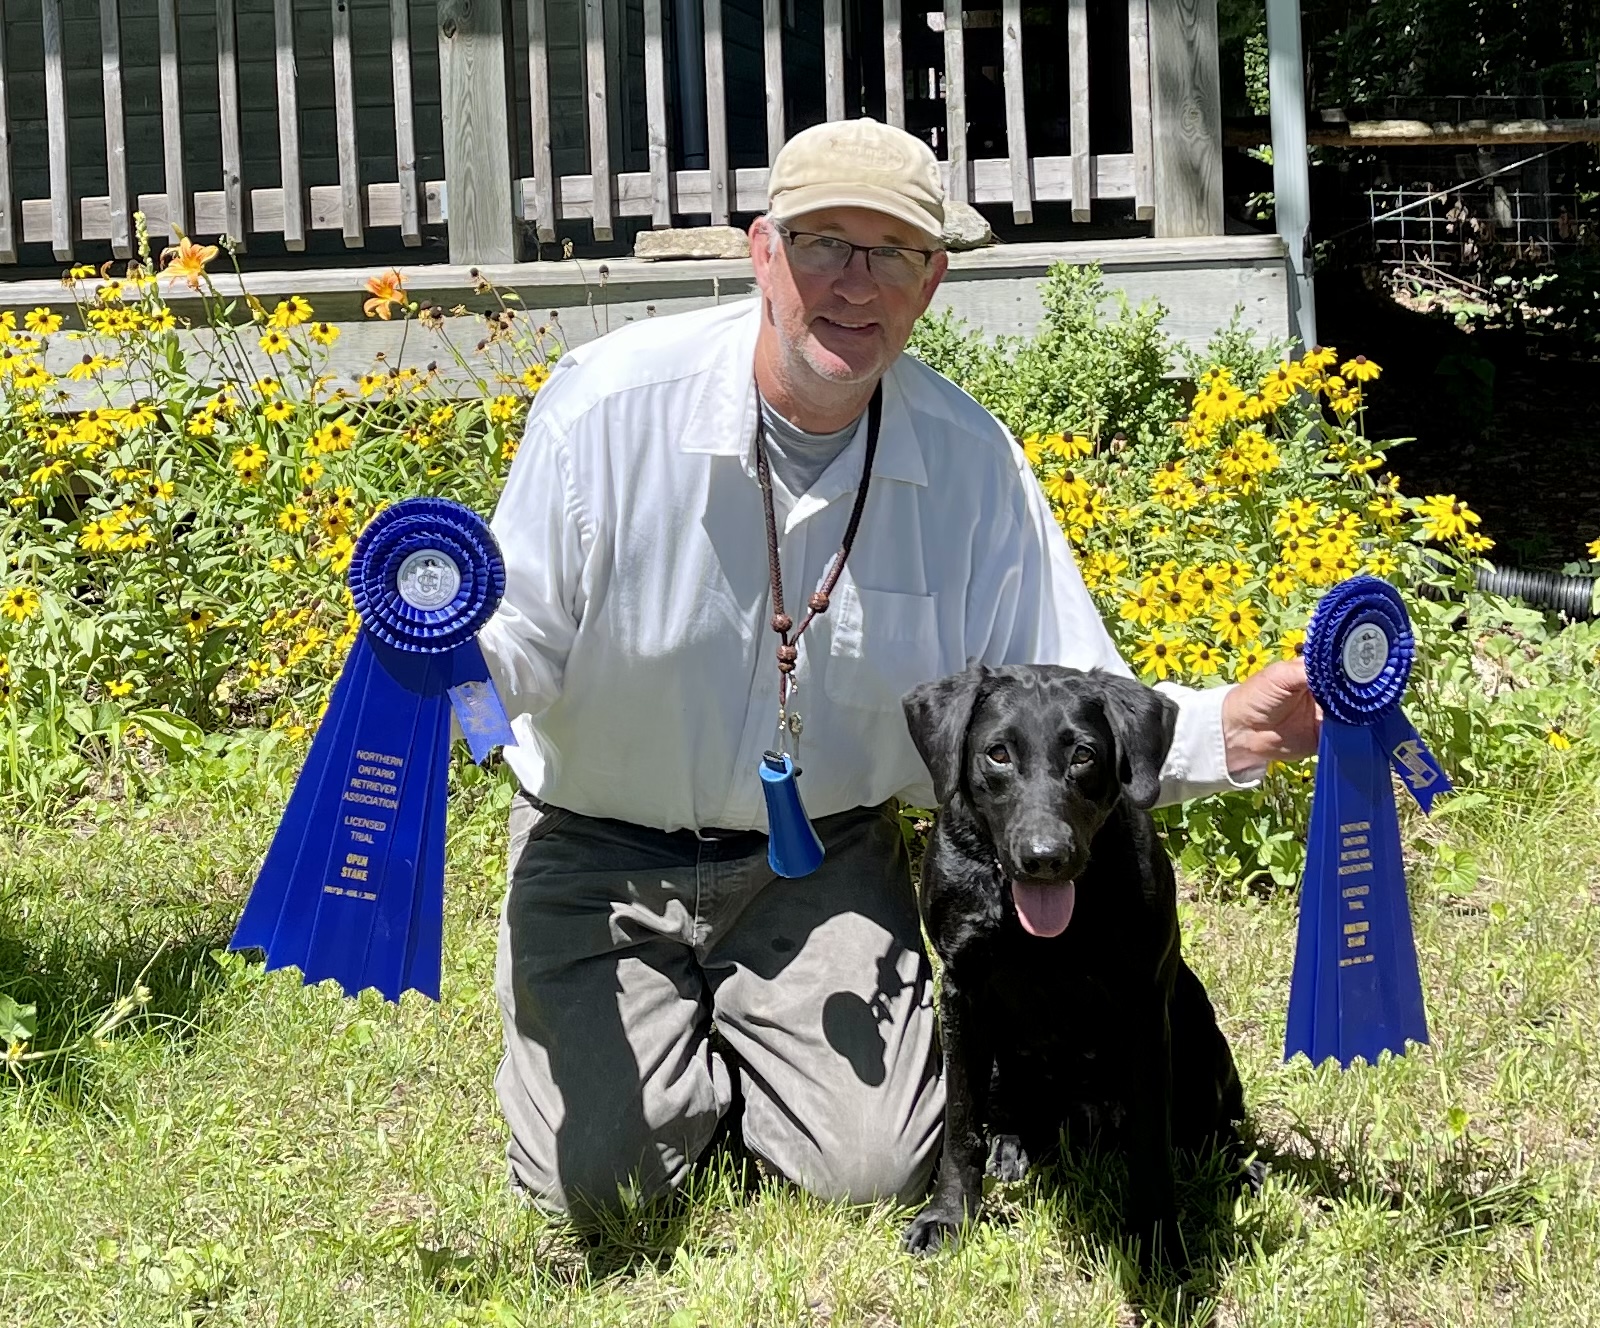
{"type": "Point", "coordinates": [55, 106]}
{"type": "Point", "coordinates": [894, 69]}
{"type": "Point", "coordinates": [344, 115]}
{"type": "Point", "coordinates": [833, 58]}
{"type": "Point", "coordinates": [477, 149]}
{"type": "Point", "coordinates": [1078, 92]}
{"type": "Point", "coordinates": [543, 212]}
{"type": "Point", "coordinates": [116, 138]}
{"type": "Point", "coordinates": [8, 203]}
{"type": "Point", "coordinates": [959, 187]}
{"type": "Point", "coordinates": [772, 48]}
{"type": "Point", "coordinates": [594, 43]}
{"type": "Point", "coordinates": [716, 115]}
{"type": "Point", "coordinates": [1016, 114]}
{"type": "Point", "coordinates": [172, 119]}
{"type": "Point", "coordinates": [233, 191]}
{"type": "Point", "coordinates": [1291, 178]}
{"type": "Point", "coordinates": [1186, 101]}
{"type": "Point", "coordinates": [1144, 207]}
{"type": "Point", "coordinates": [405, 137]}
{"type": "Point", "coordinates": [655, 114]}
{"type": "Point", "coordinates": [294, 196]}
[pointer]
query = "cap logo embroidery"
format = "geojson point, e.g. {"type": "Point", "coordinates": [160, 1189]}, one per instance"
{"type": "Point", "coordinates": [872, 156]}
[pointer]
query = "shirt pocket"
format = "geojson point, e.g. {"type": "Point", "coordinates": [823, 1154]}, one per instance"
{"type": "Point", "coordinates": [884, 643]}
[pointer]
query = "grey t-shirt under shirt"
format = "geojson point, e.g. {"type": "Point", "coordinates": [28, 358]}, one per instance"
{"type": "Point", "coordinates": [798, 458]}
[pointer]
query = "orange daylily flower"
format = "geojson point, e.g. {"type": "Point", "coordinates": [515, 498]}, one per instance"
{"type": "Point", "coordinates": [188, 260]}
{"type": "Point", "coordinates": [387, 289]}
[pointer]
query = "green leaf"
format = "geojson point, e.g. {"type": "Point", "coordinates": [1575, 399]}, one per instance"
{"type": "Point", "coordinates": [83, 635]}
{"type": "Point", "coordinates": [18, 1023]}
{"type": "Point", "coordinates": [79, 716]}
{"type": "Point", "coordinates": [1458, 802]}
{"type": "Point", "coordinates": [684, 1319]}
{"type": "Point", "coordinates": [175, 734]}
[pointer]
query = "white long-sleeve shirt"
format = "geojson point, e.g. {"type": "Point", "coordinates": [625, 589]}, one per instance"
{"type": "Point", "coordinates": [633, 648]}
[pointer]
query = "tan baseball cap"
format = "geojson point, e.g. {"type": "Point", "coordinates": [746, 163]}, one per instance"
{"type": "Point", "coordinates": [858, 163]}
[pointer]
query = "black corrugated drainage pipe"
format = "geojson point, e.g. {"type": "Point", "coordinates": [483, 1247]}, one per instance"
{"type": "Point", "coordinates": [1571, 595]}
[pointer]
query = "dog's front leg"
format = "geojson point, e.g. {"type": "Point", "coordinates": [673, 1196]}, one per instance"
{"type": "Point", "coordinates": [968, 1060]}
{"type": "Point", "coordinates": [1151, 1216]}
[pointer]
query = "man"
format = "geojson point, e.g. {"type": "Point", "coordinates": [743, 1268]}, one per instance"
{"type": "Point", "coordinates": [637, 650]}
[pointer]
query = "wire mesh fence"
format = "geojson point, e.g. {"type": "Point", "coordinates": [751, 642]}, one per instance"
{"type": "Point", "coordinates": [1429, 226]}
{"type": "Point", "coordinates": [1459, 217]}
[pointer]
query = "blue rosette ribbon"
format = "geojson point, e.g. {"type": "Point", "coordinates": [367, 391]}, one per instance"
{"type": "Point", "coordinates": [352, 887]}
{"type": "Point", "coordinates": [1356, 989]}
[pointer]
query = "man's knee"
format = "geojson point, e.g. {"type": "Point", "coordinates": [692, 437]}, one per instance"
{"type": "Point", "coordinates": [588, 1197]}
{"type": "Point", "coordinates": [867, 1165]}
{"type": "Point", "coordinates": [599, 1180]}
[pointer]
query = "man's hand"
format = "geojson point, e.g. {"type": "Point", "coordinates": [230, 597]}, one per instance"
{"type": "Point", "coordinates": [1270, 716]}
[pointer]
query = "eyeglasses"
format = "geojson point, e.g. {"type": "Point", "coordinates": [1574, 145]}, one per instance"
{"type": "Point", "coordinates": [828, 256]}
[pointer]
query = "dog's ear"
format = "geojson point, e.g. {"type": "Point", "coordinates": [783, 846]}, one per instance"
{"type": "Point", "coordinates": [937, 713]}
{"type": "Point", "coordinates": [1143, 721]}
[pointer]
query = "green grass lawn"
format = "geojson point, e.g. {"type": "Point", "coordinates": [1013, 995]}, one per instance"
{"type": "Point", "coordinates": [245, 1150]}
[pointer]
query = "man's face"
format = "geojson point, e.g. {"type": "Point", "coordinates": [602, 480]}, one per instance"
{"type": "Point", "coordinates": [846, 327]}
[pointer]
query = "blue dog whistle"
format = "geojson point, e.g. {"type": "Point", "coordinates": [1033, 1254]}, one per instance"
{"type": "Point", "coordinates": [793, 848]}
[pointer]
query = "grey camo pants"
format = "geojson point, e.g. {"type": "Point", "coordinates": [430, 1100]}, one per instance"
{"type": "Point", "coordinates": [618, 948]}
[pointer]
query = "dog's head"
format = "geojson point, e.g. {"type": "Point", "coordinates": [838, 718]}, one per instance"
{"type": "Point", "coordinates": [1041, 754]}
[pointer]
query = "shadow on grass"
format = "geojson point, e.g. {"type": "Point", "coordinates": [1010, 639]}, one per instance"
{"type": "Point", "coordinates": [1454, 1194]}
{"type": "Point", "coordinates": [566, 1257]}
{"type": "Point", "coordinates": [1082, 1188]}
{"type": "Point", "coordinates": [648, 1235]}
{"type": "Point", "coordinates": [76, 980]}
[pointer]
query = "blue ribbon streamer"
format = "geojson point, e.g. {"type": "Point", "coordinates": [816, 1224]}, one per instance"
{"type": "Point", "coordinates": [352, 887]}
{"type": "Point", "coordinates": [1356, 989]}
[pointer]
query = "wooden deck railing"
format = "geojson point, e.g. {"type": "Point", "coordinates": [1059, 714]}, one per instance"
{"type": "Point", "coordinates": [166, 55]}
{"type": "Point", "coordinates": [449, 72]}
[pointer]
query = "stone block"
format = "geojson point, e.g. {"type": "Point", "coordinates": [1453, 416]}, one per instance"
{"type": "Point", "coordinates": [693, 242]}
{"type": "Point", "coordinates": [965, 227]}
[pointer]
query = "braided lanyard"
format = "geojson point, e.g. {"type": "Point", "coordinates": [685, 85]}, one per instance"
{"type": "Point", "coordinates": [788, 652]}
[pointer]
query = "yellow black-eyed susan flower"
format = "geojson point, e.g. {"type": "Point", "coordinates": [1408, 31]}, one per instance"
{"type": "Point", "coordinates": [249, 457]}
{"type": "Point", "coordinates": [19, 603]}
{"type": "Point", "coordinates": [1203, 659]}
{"type": "Point", "coordinates": [1445, 517]}
{"type": "Point", "coordinates": [1157, 655]}
{"type": "Point", "coordinates": [1252, 659]}
{"type": "Point", "coordinates": [197, 621]}
{"type": "Point", "coordinates": [291, 312]}
{"type": "Point", "coordinates": [43, 321]}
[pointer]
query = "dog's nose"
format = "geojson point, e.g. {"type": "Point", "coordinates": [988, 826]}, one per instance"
{"type": "Point", "coordinates": [1044, 861]}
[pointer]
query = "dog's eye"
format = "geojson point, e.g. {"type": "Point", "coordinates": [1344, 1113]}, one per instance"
{"type": "Point", "coordinates": [999, 754]}
{"type": "Point", "coordinates": [1082, 757]}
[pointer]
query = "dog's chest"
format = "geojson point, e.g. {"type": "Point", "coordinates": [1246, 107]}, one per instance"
{"type": "Point", "coordinates": [1055, 990]}
{"type": "Point", "coordinates": [1076, 1001]}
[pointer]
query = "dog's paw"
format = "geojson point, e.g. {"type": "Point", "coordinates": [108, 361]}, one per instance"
{"type": "Point", "coordinates": [1254, 1176]}
{"type": "Point", "coordinates": [1160, 1247]}
{"type": "Point", "coordinates": [1008, 1159]}
{"type": "Point", "coordinates": [932, 1230]}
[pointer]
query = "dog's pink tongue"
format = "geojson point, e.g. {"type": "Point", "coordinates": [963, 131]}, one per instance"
{"type": "Point", "coordinates": [1044, 910]}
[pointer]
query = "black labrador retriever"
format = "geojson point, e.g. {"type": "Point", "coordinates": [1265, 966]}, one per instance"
{"type": "Point", "coordinates": [1065, 1004]}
